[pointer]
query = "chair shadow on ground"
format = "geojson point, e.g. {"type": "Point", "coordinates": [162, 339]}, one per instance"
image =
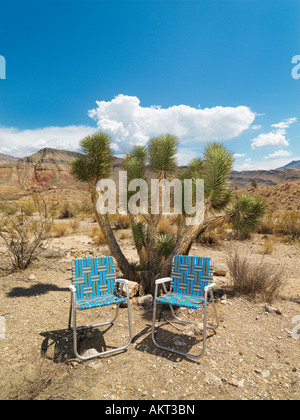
{"type": "Point", "coordinates": [58, 345]}
{"type": "Point", "coordinates": [34, 290]}
{"type": "Point", "coordinates": [168, 338]}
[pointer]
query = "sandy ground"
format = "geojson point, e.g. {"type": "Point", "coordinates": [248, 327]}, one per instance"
{"type": "Point", "coordinates": [253, 355]}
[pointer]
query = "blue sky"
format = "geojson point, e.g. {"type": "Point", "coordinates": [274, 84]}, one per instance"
{"type": "Point", "coordinates": [203, 70]}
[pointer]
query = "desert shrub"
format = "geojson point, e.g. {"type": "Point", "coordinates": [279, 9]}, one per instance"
{"type": "Point", "coordinates": [122, 221]}
{"type": "Point", "coordinates": [83, 207]}
{"type": "Point", "coordinates": [97, 236]}
{"type": "Point", "coordinates": [28, 207]}
{"type": "Point", "coordinates": [8, 208]}
{"type": "Point", "coordinates": [209, 238]}
{"type": "Point", "coordinates": [267, 225]}
{"type": "Point", "coordinates": [254, 277]}
{"type": "Point", "coordinates": [60, 229]}
{"type": "Point", "coordinates": [66, 211]}
{"type": "Point", "coordinates": [23, 234]}
{"type": "Point", "coordinates": [165, 227]}
{"type": "Point", "coordinates": [74, 224]}
{"type": "Point", "coordinates": [53, 208]}
{"type": "Point", "coordinates": [33, 380]}
{"type": "Point", "coordinates": [124, 235]}
{"type": "Point", "coordinates": [268, 247]}
{"type": "Point", "coordinates": [289, 225]}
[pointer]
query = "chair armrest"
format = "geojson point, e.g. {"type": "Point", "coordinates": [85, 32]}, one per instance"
{"type": "Point", "coordinates": [123, 281]}
{"type": "Point", "coordinates": [72, 288]}
{"type": "Point", "coordinates": [164, 280]}
{"type": "Point", "coordinates": [210, 286]}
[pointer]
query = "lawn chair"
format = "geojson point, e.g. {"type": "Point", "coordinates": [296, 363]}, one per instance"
{"type": "Point", "coordinates": [93, 285]}
{"type": "Point", "coordinates": [191, 281]}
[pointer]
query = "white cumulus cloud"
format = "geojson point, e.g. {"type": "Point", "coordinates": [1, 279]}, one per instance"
{"type": "Point", "coordinates": [286, 123]}
{"type": "Point", "coordinates": [21, 143]}
{"type": "Point", "coordinates": [129, 123]}
{"type": "Point", "coordinates": [278, 154]}
{"type": "Point", "coordinates": [272, 139]}
{"type": "Point", "coordinates": [275, 138]}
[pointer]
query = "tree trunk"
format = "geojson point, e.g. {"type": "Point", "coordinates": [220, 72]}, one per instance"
{"type": "Point", "coordinates": [185, 242]}
{"type": "Point", "coordinates": [113, 245]}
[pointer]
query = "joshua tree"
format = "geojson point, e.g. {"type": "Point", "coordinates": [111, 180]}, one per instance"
{"type": "Point", "coordinates": [159, 156]}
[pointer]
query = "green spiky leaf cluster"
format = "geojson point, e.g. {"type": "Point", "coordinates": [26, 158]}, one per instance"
{"type": "Point", "coordinates": [246, 213]}
{"type": "Point", "coordinates": [162, 155]}
{"type": "Point", "coordinates": [165, 244]}
{"type": "Point", "coordinates": [97, 160]}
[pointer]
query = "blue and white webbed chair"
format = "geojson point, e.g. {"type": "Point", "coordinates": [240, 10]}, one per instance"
{"type": "Point", "coordinates": [94, 285]}
{"type": "Point", "coordinates": [191, 282]}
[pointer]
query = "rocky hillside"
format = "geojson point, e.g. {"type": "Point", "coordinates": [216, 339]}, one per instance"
{"type": "Point", "coordinates": [49, 169]}
{"type": "Point", "coordinates": [284, 196]}
{"type": "Point", "coordinates": [6, 159]}
{"type": "Point", "coordinates": [243, 179]}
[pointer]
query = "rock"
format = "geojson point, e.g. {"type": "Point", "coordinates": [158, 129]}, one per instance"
{"type": "Point", "coordinates": [273, 310]}
{"type": "Point", "coordinates": [220, 271]}
{"type": "Point", "coordinates": [178, 341]}
{"type": "Point", "coordinates": [51, 252]}
{"type": "Point", "coordinates": [133, 288]}
{"type": "Point", "coordinates": [265, 373]}
{"type": "Point", "coordinates": [235, 382]}
{"type": "Point", "coordinates": [224, 300]}
{"type": "Point", "coordinates": [90, 352]}
{"type": "Point", "coordinates": [212, 379]}
{"type": "Point", "coordinates": [31, 277]}
{"type": "Point", "coordinates": [145, 300]}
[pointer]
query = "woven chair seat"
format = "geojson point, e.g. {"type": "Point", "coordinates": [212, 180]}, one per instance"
{"type": "Point", "coordinates": [181, 300]}
{"type": "Point", "coordinates": [99, 301]}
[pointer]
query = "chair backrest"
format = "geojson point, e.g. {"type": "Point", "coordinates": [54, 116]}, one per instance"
{"type": "Point", "coordinates": [94, 277]}
{"type": "Point", "coordinates": [190, 274]}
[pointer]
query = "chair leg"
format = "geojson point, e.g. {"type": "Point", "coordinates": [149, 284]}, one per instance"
{"type": "Point", "coordinates": [184, 321]}
{"type": "Point", "coordinates": [198, 356]}
{"type": "Point", "coordinates": [205, 326]}
{"type": "Point", "coordinates": [216, 313]}
{"type": "Point", "coordinates": [75, 329]}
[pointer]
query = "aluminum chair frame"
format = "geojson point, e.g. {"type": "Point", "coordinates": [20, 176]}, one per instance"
{"type": "Point", "coordinates": [73, 309]}
{"type": "Point", "coordinates": [207, 289]}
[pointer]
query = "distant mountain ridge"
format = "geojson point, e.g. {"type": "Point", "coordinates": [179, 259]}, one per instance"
{"type": "Point", "coordinates": [46, 169]}
{"type": "Point", "coordinates": [50, 169]}
{"type": "Point", "coordinates": [6, 158]}
{"type": "Point", "coordinates": [294, 164]}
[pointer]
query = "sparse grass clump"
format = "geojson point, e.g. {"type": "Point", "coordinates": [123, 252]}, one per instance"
{"type": "Point", "coordinates": [97, 236]}
{"type": "Point", "coordinates": [165, 227]}
{"type": "Point", "coordinates": [122, 221]}
{"type": "Point", "coordinates": [60, 229]}
{"type": "Point", "coordinates": [34, 380]}
{"type": "Point", "coordinates": [268, 247]}
{"type": "Point", "coordinates": [66, 211]}
{"type": "Point", "coordinates": [254, 277]}
{"type": "Point", "coordinates": [289, 225]}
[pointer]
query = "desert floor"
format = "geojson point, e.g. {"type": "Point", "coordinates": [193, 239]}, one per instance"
{"type": "Point", "coordinates": [253, 355]}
